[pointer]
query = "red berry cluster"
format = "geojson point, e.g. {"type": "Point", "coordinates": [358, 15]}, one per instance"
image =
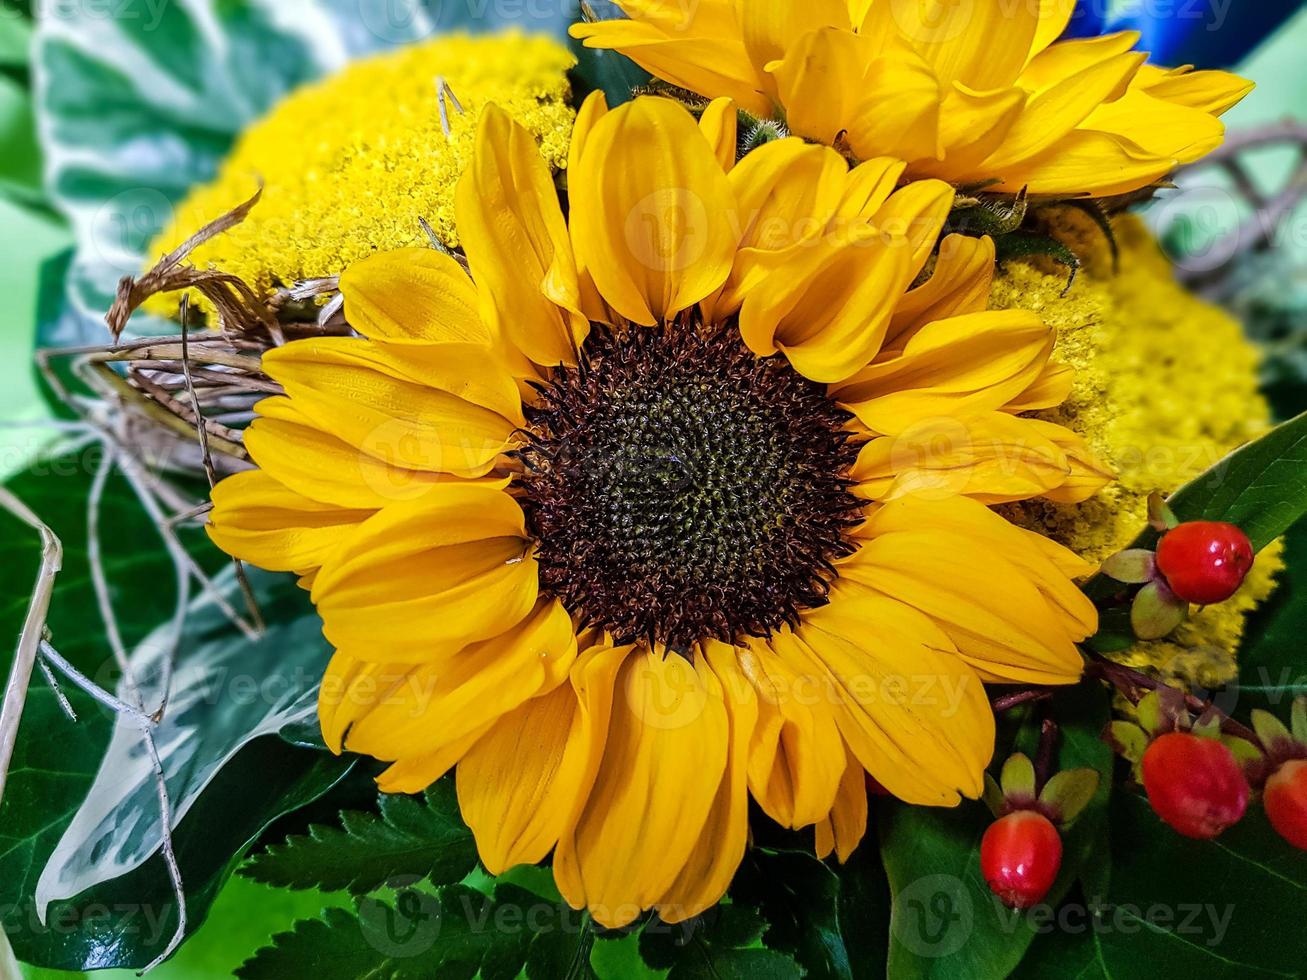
{"type": "Point", "coordinates": [1202, 562]}
{"type": "Point", "coordinates": [1194, 784]}
{"type": "Point", "coordinates": [1021, 852]}
{"type": "Point", "coordinates": [1199, 780]}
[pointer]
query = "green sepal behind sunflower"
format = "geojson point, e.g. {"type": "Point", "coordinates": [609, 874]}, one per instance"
{"type": "Point", "coordinates": [1280, 742]}
{"type": "Point", "coordinates": [1061, 799]}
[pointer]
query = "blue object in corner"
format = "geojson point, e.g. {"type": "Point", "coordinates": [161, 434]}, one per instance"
{"type": "Point", "coordinates": [1203, 33]}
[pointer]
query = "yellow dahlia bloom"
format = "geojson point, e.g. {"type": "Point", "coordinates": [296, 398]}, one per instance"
{"type": "Point", "coordinates": [678, 500]}
{"type": "Point", "coordinates": [974, 93]}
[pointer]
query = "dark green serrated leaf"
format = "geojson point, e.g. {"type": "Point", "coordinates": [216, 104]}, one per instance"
{"type": "Point", "coordinates": [412, 838]}
{"type": "Point", "coordinates": [455, 934]}
{"type": "Point", "coordinates": [945, 921]}
{"type": "Point", "coordinates": [799, 897]}
{"type": "Point", "coordinates": [721, 943]}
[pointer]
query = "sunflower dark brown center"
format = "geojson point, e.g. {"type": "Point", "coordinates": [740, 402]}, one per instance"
{"type": "Point", "coordinates": [681, 488]}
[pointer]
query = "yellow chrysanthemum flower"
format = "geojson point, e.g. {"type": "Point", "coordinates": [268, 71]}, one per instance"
{"type": "Point", "coordinates": [634, 523]}
{"type": "Point", "coordinates": [351, 165]}
{"type": "Point", "coordinates": [975, 93]}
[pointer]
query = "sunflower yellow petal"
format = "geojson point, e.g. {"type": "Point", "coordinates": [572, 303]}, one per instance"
{"type": "Point", "coordinates": [433, 575]}
{"type": "Point", "coordinates": [1161, 128]}
{"type": "Point", "coordinates": [1087, 473]}
{"type": "Point", "coordinates": [991, 610]}
{"type": "Point", "coordinates": [311, 461]}
{"type": "Point", "coordinates": [1049, 566]}
{"type": "Point", "coordinates": [516, 241]}
{"type": "Point", "coordinates": [412, 296]}
{"type": "Point", "coordinates": [916, 213]}
{"type": "Point", "coordinates": [795, 760]}
{"type": "Point", "coordinates": [518, 785]}
{"type": "Point", "coordinates": [719, 124]}
{"type": "Point", "coordinates": [829, 315]}
{"type": "Point", "coordinates": [899, 111]}
{"type": "Point", "coordinates": [969, 363]}
{"type": "Point", "coordinates": [710, 66]}
{"type": "Point", "coordinates": [769, 28]}
{"type": "Point", "coordinates": [450, 409]}
{"type": "Point", "coordinates": [663, 761]}
{"type": "Point", "coordinates": [651, 227]}
{"type": "Point", "coordinates": [993, 457]}
{"type": "Point", "coordinates": [1065, 59]}
{"type": "Point", "coordinates": [259, 520]}
{"type": "Point", "coordinates": [413, 774]}
{"type": "Point", "coordinates": [958, 284]}
{"type": "Point", "coordinates": [712, 864]}
{"type": "Point", "coordinates": [1054, 15]}
{"type": "Point", "coordinates": [913, 714]}
{"type": "Point", "coordinates": [1206, 91]}
{"type": "Point", "coordinates": [972, 124]}
{"type": "Point", "coordinates": [984, 45]}
{"type": "Point", "coordinates": [449, 698]}
{"type": "Point", "coordinates": [1057, 110]}
{"type": "Point", "coordinates": [846, 824]}
{"type": "Point", "coordinates": [1085, 162]}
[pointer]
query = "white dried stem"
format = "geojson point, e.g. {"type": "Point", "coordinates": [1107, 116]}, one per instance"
{"type": "Point", "coordinates": [20, 674]}
{"type": "Point", "coordinates": [146, 724]}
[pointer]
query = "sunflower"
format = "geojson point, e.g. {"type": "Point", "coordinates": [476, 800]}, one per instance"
{"type": "Point", "coordinates": [676, 501]}
{"type": "Point", "coordinates": [974, 93]}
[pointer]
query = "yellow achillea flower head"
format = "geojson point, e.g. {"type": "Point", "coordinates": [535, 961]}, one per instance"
{"type": "Point", "coordinates": [973, 93]}
{"type": "Point", "coordinates": [629, 525]}
{"type": "Point", "coordinates": [1165, 385]}
{"type": "Point", "coordinates": [351, 163]}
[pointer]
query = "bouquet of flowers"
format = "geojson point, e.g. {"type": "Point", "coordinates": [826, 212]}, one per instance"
{"type": "Point", "coordinates": [741, 494]}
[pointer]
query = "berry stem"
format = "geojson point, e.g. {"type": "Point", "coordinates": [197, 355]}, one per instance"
{"type": "Point", "coordinates": [1007, 702]}
{"type": "Point", "coordinates": [1048, 734]}
{"type": "Point", "coordinates": [1134, 684]}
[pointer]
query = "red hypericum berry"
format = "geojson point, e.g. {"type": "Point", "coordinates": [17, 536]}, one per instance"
{"type": "Point", "coordinates": [1204, 561]}
{"type": "Point", "coordinates": [1194, 784]}
{"type": "Point", "coordinates": [1019, 856]}
{"type": "Point", "coordinates": [1285, 799]}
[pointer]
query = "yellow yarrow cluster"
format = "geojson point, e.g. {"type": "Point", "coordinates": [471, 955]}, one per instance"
{"type": "Point", "coordinates": [351, 163]}
{"type": "Point", "coordinates": [1165, 385]}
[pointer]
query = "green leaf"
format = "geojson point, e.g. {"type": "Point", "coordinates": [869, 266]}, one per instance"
{"type": "Point", "coordinates": [1213, 909]}
{"type": "Point", "coordinates": [15, 39]}
{"type": "Point", "coordinates": [222, 696]}
{"type": "Point", "coordinates": [20, 164]}
{"type": "Point", "coordinates": [126, 920]}
{"type": "Point", "coordinates": [455, 934]}
{"type": "Point", "coordinates": [721, 944]}
{"type": "Point", "coordinates": [799, 898]}
{"type": "Point", "coordinates": [410, 837]}
{"type": "Point", "coordinates": [945, 921]}
{"type": "Point", "coordinates": [610, 72]}
{"type": "Point", "coordinates": [1272, 668]}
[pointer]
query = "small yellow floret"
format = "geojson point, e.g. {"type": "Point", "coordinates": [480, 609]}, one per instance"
{"type": "Point", "coordinates": [349, 164]}
{"type": "Point", "coordinates": [1166, 385]}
